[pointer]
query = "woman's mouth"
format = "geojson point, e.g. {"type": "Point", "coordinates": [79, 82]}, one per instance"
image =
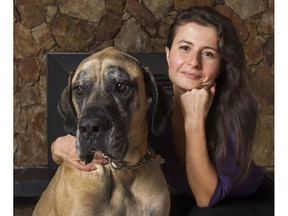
{"type": "Point", "coordinates": [192, 76]}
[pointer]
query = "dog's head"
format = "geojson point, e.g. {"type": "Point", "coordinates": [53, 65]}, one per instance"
{"type": "Point", "coordinates": [105, 105]}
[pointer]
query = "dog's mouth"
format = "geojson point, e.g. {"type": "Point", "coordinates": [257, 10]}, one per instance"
{"type": "Point", "coordinates": [115, 163]}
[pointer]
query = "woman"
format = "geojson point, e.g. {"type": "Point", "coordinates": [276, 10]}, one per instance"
{"type": "Point", "coordinates": [207, 145]}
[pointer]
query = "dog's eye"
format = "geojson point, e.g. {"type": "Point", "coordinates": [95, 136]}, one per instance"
{"type": "Point", "coordinates": [122, 88]}
{"type": "Point", "coordinates": [78, 90]}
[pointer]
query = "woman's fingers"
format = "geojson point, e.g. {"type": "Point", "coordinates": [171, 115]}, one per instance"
{"type": "Point", "coordinates": [83, 167]}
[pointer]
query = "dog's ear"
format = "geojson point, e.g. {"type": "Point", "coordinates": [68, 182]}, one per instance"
{"type": "Point", "coordinates": [161, 102]}
{"type": "Point", "coordinates": [66, 109]}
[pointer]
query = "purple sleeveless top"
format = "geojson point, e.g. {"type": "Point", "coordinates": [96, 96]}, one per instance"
{"type": "Point", "coordinates": [176, 175]}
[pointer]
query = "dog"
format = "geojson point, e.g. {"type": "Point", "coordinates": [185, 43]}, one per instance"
{"type": "Point", "coordinates": [105, 106]}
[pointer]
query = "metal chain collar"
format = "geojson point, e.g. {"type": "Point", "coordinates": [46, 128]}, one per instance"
{"type": "Point", "coordinates": [148, 157]}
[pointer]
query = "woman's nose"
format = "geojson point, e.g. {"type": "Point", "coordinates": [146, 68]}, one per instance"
{"type": "Point", "coordinates": [195, 60]}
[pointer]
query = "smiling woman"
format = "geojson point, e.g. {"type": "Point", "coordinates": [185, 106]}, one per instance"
{"type": "Point", "coordinates": [208, 144]}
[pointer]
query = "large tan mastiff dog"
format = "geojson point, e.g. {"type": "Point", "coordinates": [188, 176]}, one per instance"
{"type": "Point", "coordinates": [105, 106]}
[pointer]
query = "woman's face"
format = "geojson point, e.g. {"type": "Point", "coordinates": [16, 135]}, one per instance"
{"type": "Point", "coordinates": [193, 59]}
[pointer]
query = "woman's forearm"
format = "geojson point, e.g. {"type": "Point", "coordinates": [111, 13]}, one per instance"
{"type": "Point", "coordinates": [201, 174]}
{"type": "Point", "coordinates": [55, 154]}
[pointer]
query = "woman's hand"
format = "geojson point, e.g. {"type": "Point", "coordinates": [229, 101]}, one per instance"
{"type": "Point", "coordinates": [197, 102]}
{"type": "Point", "coordinates": [64, 149]}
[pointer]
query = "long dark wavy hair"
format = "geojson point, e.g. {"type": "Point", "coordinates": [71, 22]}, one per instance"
{"type": "Point", "coordinates": [233, 115]}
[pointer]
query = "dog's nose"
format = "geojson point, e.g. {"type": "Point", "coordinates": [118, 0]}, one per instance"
{"type": "Point", "coordinates": [93, 124]}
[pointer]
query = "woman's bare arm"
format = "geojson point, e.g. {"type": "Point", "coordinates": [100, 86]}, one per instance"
{"type": "Point", "coordinates": [201, 174]}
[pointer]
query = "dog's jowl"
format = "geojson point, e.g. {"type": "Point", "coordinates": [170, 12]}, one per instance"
{"type": "Point", "coordinates": [104, 105]}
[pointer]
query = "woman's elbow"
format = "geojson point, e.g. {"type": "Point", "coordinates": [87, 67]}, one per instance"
{"type": "Point", "coordinates": [203, 202]}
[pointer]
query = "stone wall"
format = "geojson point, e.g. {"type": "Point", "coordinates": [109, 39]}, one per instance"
{"type": "Point", "coordinates": [42, 26]}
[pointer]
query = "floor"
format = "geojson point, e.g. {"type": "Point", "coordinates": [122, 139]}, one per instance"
{"type": "Point", "coordinates": [24, 206]}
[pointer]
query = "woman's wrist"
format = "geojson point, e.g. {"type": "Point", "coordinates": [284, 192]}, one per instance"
{"type": "Point", "coordinates": [194, 124]}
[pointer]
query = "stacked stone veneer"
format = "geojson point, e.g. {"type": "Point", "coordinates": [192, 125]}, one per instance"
{"type": "Point", "coordinates": [42, 26]}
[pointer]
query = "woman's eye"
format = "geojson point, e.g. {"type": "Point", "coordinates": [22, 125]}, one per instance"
{"type": "Point", "coordinates": [209, 54]}
{"type": "Point", "coordinates": [185, 48]}
{"type": "Point", "coordinates": [122, 88]}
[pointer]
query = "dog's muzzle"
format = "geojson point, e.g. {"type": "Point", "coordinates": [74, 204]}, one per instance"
{"type": "Point", "coordinates": [99, 131]}
{"type": "Point", "coordinates": [93, 123]}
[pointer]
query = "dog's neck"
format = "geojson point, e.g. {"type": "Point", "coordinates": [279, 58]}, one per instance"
{"type": "Point", "coordinates": [147, 158]}
{"type": "Point", "coordinates": [134, 155]}
{"type": "Point", "coordinates": [137, 138]}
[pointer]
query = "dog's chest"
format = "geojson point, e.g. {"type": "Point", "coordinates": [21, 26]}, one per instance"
{"type": "Point", "coordinates": [118, 192]}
